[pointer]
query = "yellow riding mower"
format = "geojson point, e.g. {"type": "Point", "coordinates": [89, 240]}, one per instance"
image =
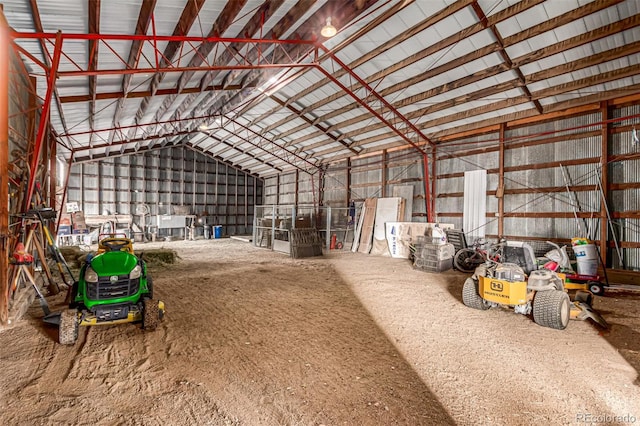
{"type": "Point", "coordinates": [541, 292]}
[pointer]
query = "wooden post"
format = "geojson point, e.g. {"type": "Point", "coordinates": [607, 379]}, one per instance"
{"type": "Point", "coordinates": [5, 45]}
{"type": "Point", "coordinates": [348, 180]}
{"type": "Point", "coordinates": [604, 175]}
{"type": "Point", "coordinates": [434, 187]}
{"type": "Point", "coordinates": [500, 189]}
{"type": "Point", "coordinates": [296, 189]}
{"type": "Point", "coordinates": [385, 171]}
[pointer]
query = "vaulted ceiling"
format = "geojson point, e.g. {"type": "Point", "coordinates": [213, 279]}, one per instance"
{"type": "Point", "coordinates": [255, 84]}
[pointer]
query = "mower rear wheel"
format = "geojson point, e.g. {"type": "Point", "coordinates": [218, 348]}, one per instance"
{"type": "Point", "coordinates": [470, 296]}
{"type": "Point", "coordinates": [552, 309]}
{"type": "Point", "coordinates": [68, 328]}
{"type": "Point", "coordinates": [151, 316]}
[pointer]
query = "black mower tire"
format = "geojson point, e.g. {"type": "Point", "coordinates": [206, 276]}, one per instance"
{"type": "Point", "coordinates": [552, 308]}
{"type": "Point", "coordinates": [463, 260]}
{"type": "Point", "coordinates": [150, 286]}
{"type": "Point", "coordinates": [596, 288]}
{"type": "Point", "coordinates": [151, 314]}
{"type": "Point", "coordinates": [68, 328]}
{"type": "Point", "coordinates": [470, 296]}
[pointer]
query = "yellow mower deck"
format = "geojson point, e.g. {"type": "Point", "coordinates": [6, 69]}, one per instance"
{"type": "Point", "coordinates": [134, 316]}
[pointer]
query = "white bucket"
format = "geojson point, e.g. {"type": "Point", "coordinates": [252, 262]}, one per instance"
{"type": "Point", "coordinates": [585, 252]}
{"type": "Point", "coordinates": [438, 235]}
{"type": "Point", "coordinates": [587, 267]}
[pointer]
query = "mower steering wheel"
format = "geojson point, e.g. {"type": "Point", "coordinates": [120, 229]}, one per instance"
{"type": "Point", "coordinates": [114, 245]}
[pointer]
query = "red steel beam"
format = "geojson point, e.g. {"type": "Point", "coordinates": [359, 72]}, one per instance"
{"type": "Point", "coordinates": [425, 156]}
{"type": "Point", "coordinates": [151, 38]}
{"type": "Point", "coordinates": [144, 18]}
{"type": "Point", "coordinates": [4, 169]}
{"type": "Point", "coordinates": [94, 28]}
{"type": "Point", "coordinates": [81, 73]}
{"type": "Point", "coordinates": [142, 93]}
{"type": "Point", "coordinates": [154, 123]}
{"type": "Point", "coordinates": [248, 129]}
{"type": "Point", "coordinates": [44, 120]}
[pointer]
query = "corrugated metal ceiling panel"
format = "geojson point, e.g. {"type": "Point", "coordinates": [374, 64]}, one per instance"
{"type": "Point", "coordinates": [450, 96]}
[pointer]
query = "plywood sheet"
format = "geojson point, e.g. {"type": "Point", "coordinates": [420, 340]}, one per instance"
{"type": "Point", "coordinates": [406, 193]}
{"type": "Point", "coordinates": [366, 236]}
{"type": "Point", "coordinates": [358, 230]}
{"type": "Point", "coordinates": [387, 210]}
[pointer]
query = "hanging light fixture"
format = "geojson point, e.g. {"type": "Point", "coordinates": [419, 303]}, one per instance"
{"type": "Point", "coordinates": [328, 30]}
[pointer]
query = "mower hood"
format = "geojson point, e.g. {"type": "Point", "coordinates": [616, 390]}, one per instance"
{"type": "Point", "coordinates": [114, 263]}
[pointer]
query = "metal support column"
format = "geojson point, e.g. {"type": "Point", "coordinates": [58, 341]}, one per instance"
{"type": "Point", "coordinates": [500, 189]}
{"type": "Point", "coordinates": [427, 190]}
{"type": "Point", "coordinates": [385, 172]}
{"type": "Point", "coordinates": [44, 119]}
{"type": "Point", "coordinates": [4, 168]}
{"type": "Point", "coordinates": [604, 183]}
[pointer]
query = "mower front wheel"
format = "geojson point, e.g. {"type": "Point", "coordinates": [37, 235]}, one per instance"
{"type": "Point", "coordinates": [68, 328]}
{"type": "Point", "coordinates": [596, 288]}
{"type": "Point", "coordinates": [551, 308]}
{"type": "Point", "coordinates": [151, 316]}
{"type": "Point", "coordinates": [470, 296]}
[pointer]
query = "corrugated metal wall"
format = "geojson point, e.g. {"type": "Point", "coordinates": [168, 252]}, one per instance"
{"type": "Point", "coordinates": [453, 160]}
{"type": "Point", "coordinates": [540, 160]}
{"type": "Point", "coordinates": [336, 185]}
{"type": "Point", "coordinates": [624, 175]}
{"type": "Point", "coordinates": [166, 179]}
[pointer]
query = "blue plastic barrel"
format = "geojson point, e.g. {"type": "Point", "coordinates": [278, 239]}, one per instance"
{"type": "Point", "coordinates": [217, 231]}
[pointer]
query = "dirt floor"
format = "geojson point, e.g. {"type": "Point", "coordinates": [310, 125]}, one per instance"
{"type": "Point", "coordinates": [253, 337]}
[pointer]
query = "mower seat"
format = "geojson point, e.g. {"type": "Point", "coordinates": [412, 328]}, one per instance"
{"type": "Point", "coordinates": [521, 254]}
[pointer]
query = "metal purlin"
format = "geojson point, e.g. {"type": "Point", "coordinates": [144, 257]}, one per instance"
{"type": "Point", "coordinates": [391, 124]}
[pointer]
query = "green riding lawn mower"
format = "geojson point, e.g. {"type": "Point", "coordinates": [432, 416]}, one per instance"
{"type": "Point", "coordinates": [516, 283]}
{"type": "Point", "coordinates": [114, 287]}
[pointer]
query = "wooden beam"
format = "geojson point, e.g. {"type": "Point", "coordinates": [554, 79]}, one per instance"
{"type": "Point", "coordinates": [5, 45]}
{"type": "Point", "coordinates": [500, 190]}
{"type": "Point", "coordinates": [586, 62]}
{"type": "Point", "coordinates": [579, 40]}
{"type": "Point", "coordinates": [526, 190]}
{"type": "Point", "coordinates": [558, 21]}
{"type": "Point", "coordinates": [413, 31]}
{"type": "Point", "coordinates": [604, 182]}
{"type": "Point", "coordinates": [536, 166]}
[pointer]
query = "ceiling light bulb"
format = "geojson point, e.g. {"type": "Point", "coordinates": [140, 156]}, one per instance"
{"type": "Point", "coordinates": [328, 30]}
{"type": "Point", "coordinates": [203, 127]}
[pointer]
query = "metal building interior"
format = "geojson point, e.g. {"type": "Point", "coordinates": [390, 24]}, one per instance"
{"type": "Point", "coordinates": [225, 113]}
